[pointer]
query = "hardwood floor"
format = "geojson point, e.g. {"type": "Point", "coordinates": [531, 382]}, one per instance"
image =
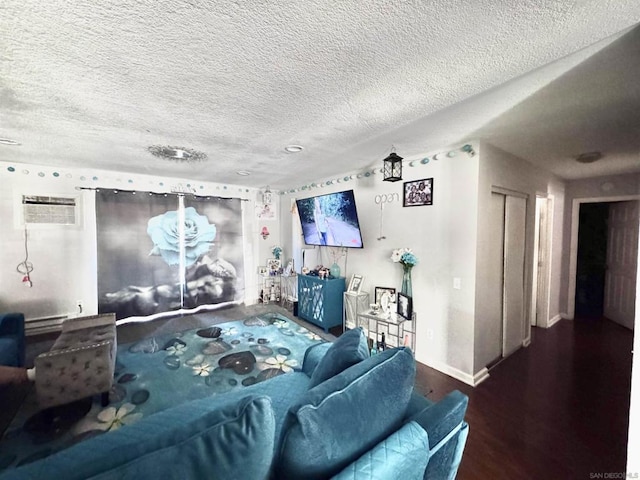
{"type": "Point", "coordinates": [558, 409]}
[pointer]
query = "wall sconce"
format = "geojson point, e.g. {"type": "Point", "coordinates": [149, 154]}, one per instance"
{"type": "Point", "coordinates": [392, 168]}
{"type": "Point", "coordinates": [264, 233]}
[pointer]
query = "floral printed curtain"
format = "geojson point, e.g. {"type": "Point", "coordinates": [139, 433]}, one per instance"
{"type": "Point", "coordinates": [159, 253]}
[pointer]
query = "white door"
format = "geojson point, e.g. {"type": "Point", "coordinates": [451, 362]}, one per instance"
{"type": "Point", "coordinates": [622, 258]}
{"type": "Point", "coordinates": [513, 297]}
{"type": "Point", "coordinates": [495, 277]}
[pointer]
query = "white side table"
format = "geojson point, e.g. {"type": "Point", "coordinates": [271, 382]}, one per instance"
{"type": "Point", "coordinates": [354, 304]}
{"type": "Point", "coordinates": [397, 330]}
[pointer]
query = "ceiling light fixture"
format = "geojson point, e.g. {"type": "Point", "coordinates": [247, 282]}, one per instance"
{"type": "Point", "coordinates": [181, 154]}
{"type": "Point", "coordinates": [8, 141]}
{"type": "Point", "coordinates": [589, 157]}
{"type": "Point", "coordinates": [392, 167]}
{"type": "Point", "coordinates": [243, 173]}
{"type": "Point", "coordinates": [293, 148]}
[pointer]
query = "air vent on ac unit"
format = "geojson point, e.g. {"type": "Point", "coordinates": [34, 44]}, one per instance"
{"type": "Point", "coordinates": [38, 209]}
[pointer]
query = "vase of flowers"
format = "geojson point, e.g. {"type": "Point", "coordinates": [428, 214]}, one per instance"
{"type": "Point", "coordinates": [336, 255]}
{"type": "Point", "coordinates": [276, 251]}
{"type": "Point", "coordinates": [408, 260]}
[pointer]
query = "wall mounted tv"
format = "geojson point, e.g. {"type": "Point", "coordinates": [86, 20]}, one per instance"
{"type": "Point", "coordinates": [330, 220]}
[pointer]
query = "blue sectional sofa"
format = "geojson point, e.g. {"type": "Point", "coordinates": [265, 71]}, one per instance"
{"type": "Point", "coordinates": [12, 339]}
{"type": "Point", "coordinates": [345, 415]}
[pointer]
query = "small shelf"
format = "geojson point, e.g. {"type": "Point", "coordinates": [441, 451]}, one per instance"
{"type": "Point", "coordinates": [270, 288]}
{"type": "Point", "coordinates": [354, 304]}
{"type": "Point", "coordinates": [398, 331]}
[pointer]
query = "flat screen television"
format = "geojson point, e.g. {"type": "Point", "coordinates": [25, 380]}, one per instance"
{"type": "Point", "coordinates": [330, 220]}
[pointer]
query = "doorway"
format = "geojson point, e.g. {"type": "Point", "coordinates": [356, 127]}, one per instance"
{"type": "Point", "coordinates": [592, 259]}
{"type": "Point", "coordinates": [604, 257]}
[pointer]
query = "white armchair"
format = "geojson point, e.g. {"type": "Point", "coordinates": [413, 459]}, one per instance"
{"type": "Point", "coordinates": [81, 362]}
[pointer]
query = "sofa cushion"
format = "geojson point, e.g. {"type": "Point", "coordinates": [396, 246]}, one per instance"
{"type": "Point", "coordinates": [403, 454]}
{"type": "Point", "coordinates": [9, 352]}
{"type": "Point", "coordinates": [350, 348]}
{"type": "Point", "coordinates": [440, 419]}
{"type": "Point", "coordinates": [235, 441]}
{"type": "Point", "coordinates": [337, 421]}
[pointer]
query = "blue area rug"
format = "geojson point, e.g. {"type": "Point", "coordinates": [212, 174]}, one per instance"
{"type": "Point", "coordinates": [160, 372]}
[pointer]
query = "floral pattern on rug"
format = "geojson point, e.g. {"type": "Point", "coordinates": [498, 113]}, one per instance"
{"type": "Point", "coordinates": [162, 371]}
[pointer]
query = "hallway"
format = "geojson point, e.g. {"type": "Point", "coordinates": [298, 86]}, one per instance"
{"type": "Point", "coordinates": [557, 409]}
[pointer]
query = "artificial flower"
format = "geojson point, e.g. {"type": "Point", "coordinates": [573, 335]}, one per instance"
{"type": "Point", "coordinates": [405, 256]}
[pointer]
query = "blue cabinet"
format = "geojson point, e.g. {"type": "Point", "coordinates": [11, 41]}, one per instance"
{"type": "Point", "coordinates": [320, 300]}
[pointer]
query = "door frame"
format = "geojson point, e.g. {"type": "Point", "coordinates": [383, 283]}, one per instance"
{"type": "Point", "coordinates": [573, 251]}
{"type": "Point", "coordinates": [541, 277]}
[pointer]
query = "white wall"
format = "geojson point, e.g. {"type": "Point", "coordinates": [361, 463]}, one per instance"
{"type": "Point", "coordinates": [64, 257]}
{"type": "Point", "coordinates": [443, 237]}
{"type": "Point", "coordinates": [501, 169]}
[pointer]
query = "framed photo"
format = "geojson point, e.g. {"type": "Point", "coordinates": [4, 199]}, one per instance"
{"type": "Point", "coordinates": [418, 193]}
{"type": "Point", "coordinates": [405, 306]}
{"type": "Point", "coordinates": [355, 284]}
{"type": "Point", "coordinates": [273, 264]}
{"type": "Point", "coordinates": [288, 270]}
{"type": "Point", "coordinates": [379, 291]}
{"type": "Point", "coordinates": [262, 270]}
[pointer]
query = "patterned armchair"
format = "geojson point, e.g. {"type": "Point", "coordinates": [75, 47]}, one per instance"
{"type": "Point", "coordinates": [12, 339]}
{"type": "Point", "coordinates": [81, 362]}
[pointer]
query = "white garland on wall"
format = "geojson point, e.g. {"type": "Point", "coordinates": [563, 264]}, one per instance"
{"type": "Point", "coordinates": [467, 148]}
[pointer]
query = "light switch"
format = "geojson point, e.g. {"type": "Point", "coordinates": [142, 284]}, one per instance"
{"type": "Point", "coordinates": [457, 283]}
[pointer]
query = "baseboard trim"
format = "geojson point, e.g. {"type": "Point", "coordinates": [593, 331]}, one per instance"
{"type": "Point", "coordinates": [472, 380]}
{"type": "Point", "coordinates": [554, 320]}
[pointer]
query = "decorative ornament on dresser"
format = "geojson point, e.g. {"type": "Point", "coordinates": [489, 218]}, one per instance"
{"type": "Point", "coordinates": [408, 260]}
{"type": "Point", "coordinates": [336, 254]}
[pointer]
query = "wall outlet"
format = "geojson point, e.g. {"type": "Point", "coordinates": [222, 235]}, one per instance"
{"type": "Point", "coordinates": [429, 334]}
{"type": "Point", "coordinates": [457, 283]}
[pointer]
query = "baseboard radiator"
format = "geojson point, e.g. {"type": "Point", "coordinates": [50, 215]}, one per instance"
{"type": "Point", "coordinates": [37, 326]}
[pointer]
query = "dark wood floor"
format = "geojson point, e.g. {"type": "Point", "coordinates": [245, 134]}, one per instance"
{"type": "Point", "coordinates": [558, 409]}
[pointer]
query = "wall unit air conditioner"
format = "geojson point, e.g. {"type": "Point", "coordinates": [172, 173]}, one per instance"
{"type": "Point", "coordinates": [50, 210]}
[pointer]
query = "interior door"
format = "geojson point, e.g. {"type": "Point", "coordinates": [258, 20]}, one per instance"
{"type": "Point", "coordinates": [495, 277]}
{"type": "Point", "coordinates": [513, 297]}
{"type": "Point", "coordinates": [622, 258]}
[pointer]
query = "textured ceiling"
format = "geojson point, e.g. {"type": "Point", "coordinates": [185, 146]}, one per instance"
{"type": "Point", "coordinates": [93, 84]}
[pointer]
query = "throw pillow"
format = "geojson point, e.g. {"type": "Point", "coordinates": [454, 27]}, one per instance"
{"type": "Point", "coordinates": [235, 441]}
{"type": "Point", "coordinates": [335, 422]}
{"type": "Point", "coordinates": [350, 348]}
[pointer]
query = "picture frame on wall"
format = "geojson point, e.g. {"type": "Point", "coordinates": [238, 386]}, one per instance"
{"type": "Point", "coordinates": [380, 291]}
{"type": "Point", "coordinates": [417, 193]}
{"type": "Point", "coordinates": [355, 284]}
{"type": "Point", "coordinates": [262, 270]}
{"type": "Point", "coordinates": [405, 306]}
